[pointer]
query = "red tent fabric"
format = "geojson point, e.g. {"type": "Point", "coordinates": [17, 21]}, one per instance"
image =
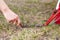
{"type": "Point", "coordinates": [57, 19]}
{"type": "Point", "coordinates": [54, 16]}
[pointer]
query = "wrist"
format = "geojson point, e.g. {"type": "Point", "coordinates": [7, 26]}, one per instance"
{"type": "Point", "coordinates": [4, 9]}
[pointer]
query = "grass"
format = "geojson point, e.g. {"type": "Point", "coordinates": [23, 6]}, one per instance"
{"type": "Point", "coordinates": [31, 13]}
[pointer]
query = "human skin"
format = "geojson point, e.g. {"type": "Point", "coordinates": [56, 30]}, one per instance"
{"type": "Point", "coordinates": [10, 16]}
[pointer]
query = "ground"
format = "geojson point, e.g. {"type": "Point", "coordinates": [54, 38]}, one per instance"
{"type": "Point", "coordinates": [31, 13]}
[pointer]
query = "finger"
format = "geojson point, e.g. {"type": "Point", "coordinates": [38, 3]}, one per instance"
{"type": "Point", "coordinates": [11, 21]}
{"type": "Point", "coordinates": [14, 22]}
{"type": "Point", "coordinates": [18, 22]}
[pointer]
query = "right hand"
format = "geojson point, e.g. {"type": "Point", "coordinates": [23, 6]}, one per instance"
{"type": "Point", "coordinates": [11, 17]}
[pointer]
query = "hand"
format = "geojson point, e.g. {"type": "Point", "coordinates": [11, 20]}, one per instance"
{"type": "Point", "coordinates": [11, 17]}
